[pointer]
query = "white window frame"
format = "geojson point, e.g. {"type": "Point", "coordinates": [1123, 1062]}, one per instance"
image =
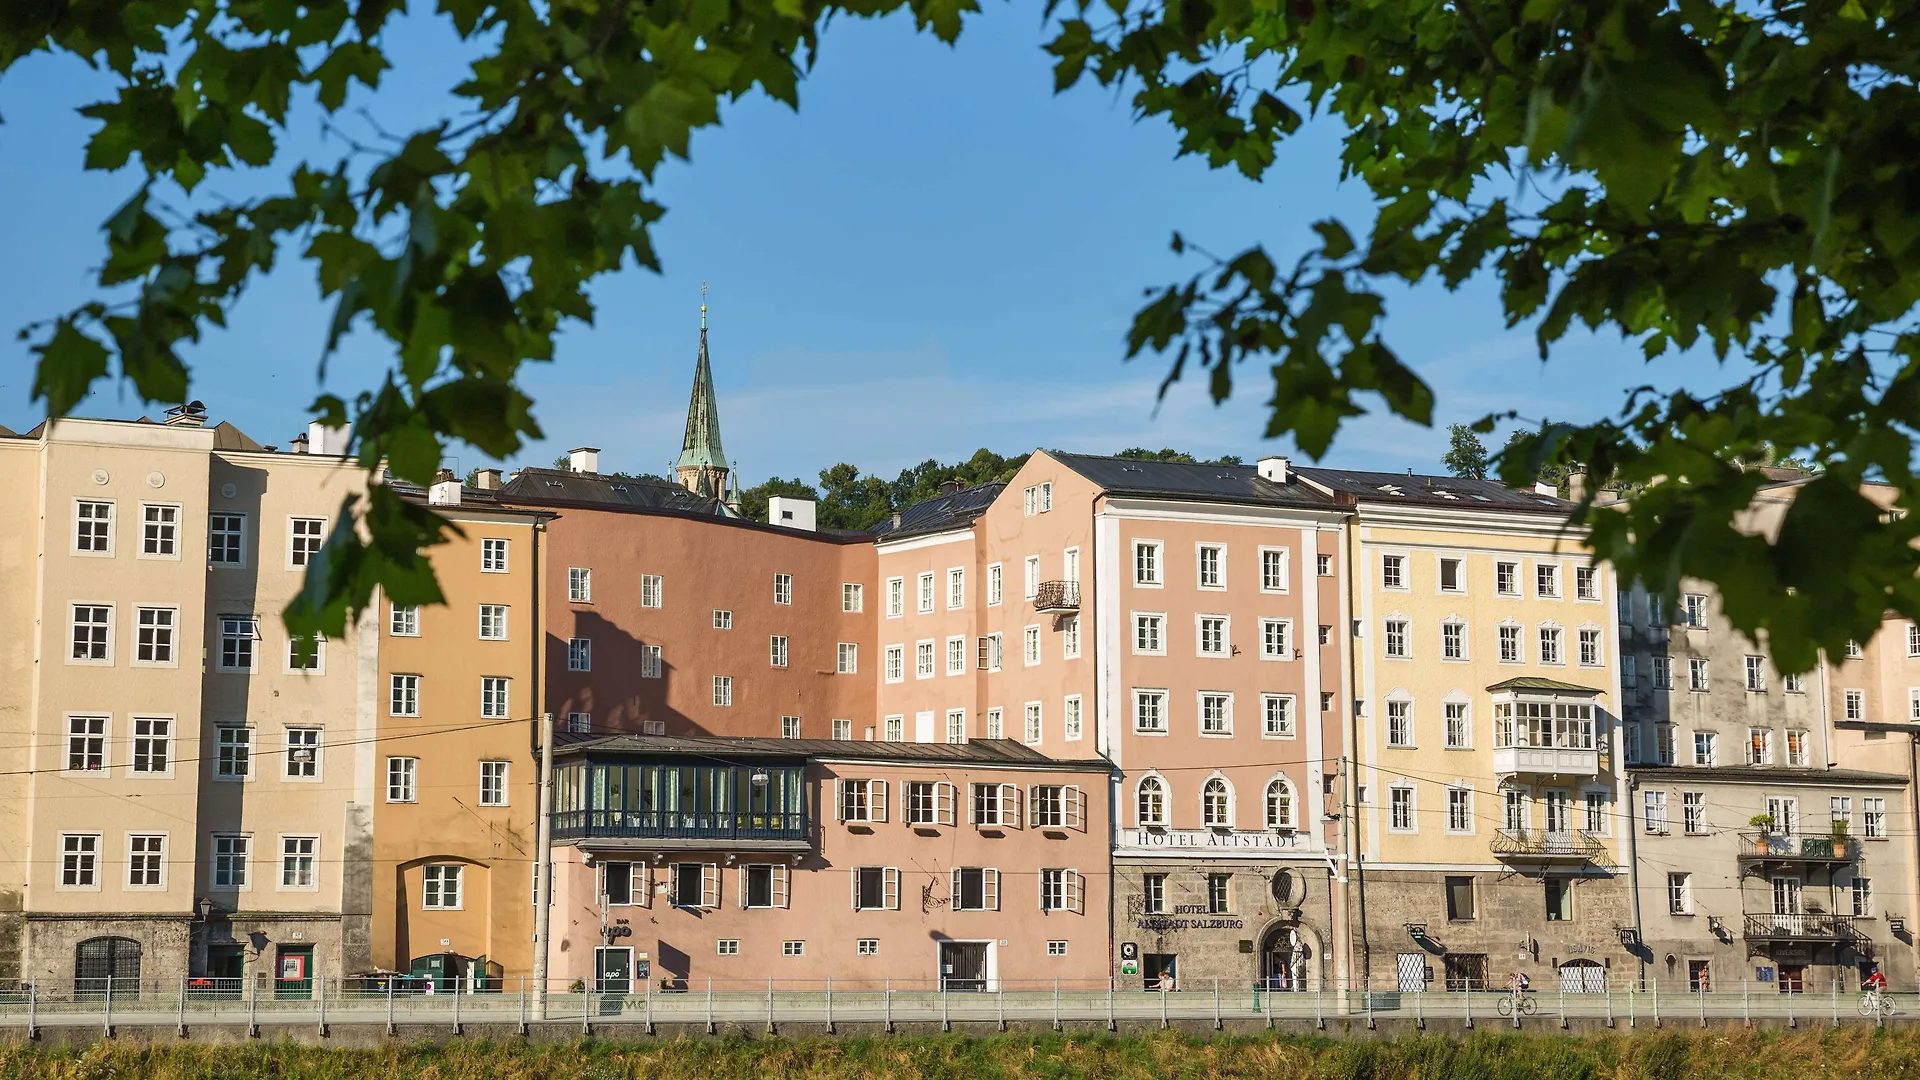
{"type": "Point", "coordinates": [1159, 628]}
{"type": "Point", "coordinates": [1393, 571]}
{"type": "Point", "coordinates": [722, 691]}
{"type": "Point", "coordinates": [163, 736]}
{"type": "Point", "coordinates": [1283, 630]}
{"type": "Point", "coordinates": [161, 636]}
{"type": "Point", "coordinates": [231, 852]}
{"type": "Point", "coordinates": [1033, 728]}
{"type": "Point", "coordinates": [923, 596]}
{"type": "Point", "coordinates": [580, 584]}
{"type": "Point", "coordinates": [653, 591]}
{"type": "Point", "coordinates": [305, 537]}
{"type": "Point", "coordinates": [957, 654]}
{"type": "Point", "coordinates": [403, 779]}
{"type": "Point", "coordinates": [1219, 552]}
{"type": "Point", "coordinates": [925, 658]}
{"type": "Point", "coordinates": [1396, 638]}
{"type": "Point", "coordinates": [494, 555]}
{"type": "Point", "coordinates": [896, 597]}
{"type": "Point", "coordinates": [1440, 577]}
{"type": "Point", "coordinates": [1159, 698]}
{"type": "Point", "coordinates": [165, 518]}
{"type": "Point", "coordinates": [496, 697]}
{"type": "Point", "coordinates": [403, 695]}
{"type": "Point", "coordinates": [92, 735]}
{"type": "Point", "coordinates": [290, 848]}
{"type": "Point", "coordinates": [778, 651]}
{"type": "Point", "coordinates": [653, 662]}
{"type": "Point", "coordinates": [80, 859]}
{"type": "Point", "coordinates": [1411, 802]}
{"type": "Point", "coordinates": [956, 588]}
{"type": "Point", "coordinates": [783, 590]}
{"type": "Point", "coordinates": [1222, 705]}
{"type": "Point", "coordinates": [853, 597]}
{"type": "Point", "coordinates": [847, 658]}
{"type": "Point", "coordinates": [896, 663]}
{"type": "Point", "coordinates": [1510, 630]}
{"type": "Point", "coordinates": [441, 882]}
{"type": "Point", "coordinates": [493, 622]}
{"type": "Point", "coordinates": [218, 537]}
{"type": "Point", "coordinates": [104, 640]}
{"type": "Point", "coordinates": [1279, 716]}
{"type": "Point", "coordinates": [580, 654]}
{"type": "Point", "coordinates": [1200, 649]}
{"type": "Point", "coordinates": [403, 621]}
{"type": "Point", "coordinates": [1284, 557]}
{"type": "Point", "coordinates": [112, 520]}
{"type": "Point", "coordinates": [1030, 645]}
{"type": "Point", "coordinates": [1150, 573]}
{"type": "Point", "coordinates": [237, 737]}
{"type": "Point", "coordinates": [307, 740]}
{"type": "Point", "coordinates": [996, 584]}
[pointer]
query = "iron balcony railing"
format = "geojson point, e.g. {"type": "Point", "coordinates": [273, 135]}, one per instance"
{"type": "Point", "coordinates": [679, 825]}
{"type": "Point", "coordinates": [1778, 847]}
{"type": "Point", "coordinates": [1526, 843]}
{"type": "Point", "coordinates": [1835, 929]}
{"type": "Point", "coordinates": [1057, 597]}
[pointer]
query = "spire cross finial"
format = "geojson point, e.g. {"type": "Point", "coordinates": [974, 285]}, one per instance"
{"type": "Point", "coordinates": [703, 305]}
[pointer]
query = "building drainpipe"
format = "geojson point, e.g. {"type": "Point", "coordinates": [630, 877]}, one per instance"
{"type": "Point", "coordinates": [543, 868]}
{"type": "Point", "coordinates": [1101, 735]}
{"type": "Point", "coordinates": [1633, 877]}
{"type": "Point", "coordinates": [1350, 793]}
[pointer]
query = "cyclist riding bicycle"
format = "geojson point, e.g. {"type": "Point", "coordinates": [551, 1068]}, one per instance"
{"type": "Point", "coordinates": [1875, 983]}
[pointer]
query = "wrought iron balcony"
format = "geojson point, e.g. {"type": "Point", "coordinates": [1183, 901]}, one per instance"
{"type": "Point", "coordinates": [1057, 598]}
{"type": "Point", "coordinates": [716, 826]}
{"type": "Point", "coordinates": [1758, 849]}
{"type": "Point", "coordinates": [1569, 846]}
{"type": "Point", "coordinates": [1808, 928]}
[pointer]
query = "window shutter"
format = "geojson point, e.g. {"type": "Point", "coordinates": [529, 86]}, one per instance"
{"type": "Point", "coordinates": [1075, 807]}
{"type": "Point", "coordinates": [855, 875]}
{"type": "Point", "coordinates": [642, 884]}
{"type": "Point", "coordinates": [741, 877]}
{"type": "Point", "coordinates": [943, 796]}
{"type": "Point", "coordinates": [990, 889]}
{"type": "Point", "coordinates": [779, 886]}
{"type": "Point", "coordinates": [877, 800]}
{"type": "Point", "coordinates": [953, 890]}
{"type": "Point", "coordinates": [891, 878]}
{"type": "Point", "coordinates": [1010, 805]}
{"type": "Point", "coordinates": [709, 885]}
{"type": "Point", "coordinates": [839, 800]}
{"type": "Point", "coordinates": [983, 653]}
{"type": "Point", "coordinates": [1033, 805]}
{"type": "Point", "coordinates": [1075, 884]}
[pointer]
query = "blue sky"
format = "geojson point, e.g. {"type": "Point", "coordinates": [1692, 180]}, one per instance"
{"type": "Point", "coordinates": [934, 255]}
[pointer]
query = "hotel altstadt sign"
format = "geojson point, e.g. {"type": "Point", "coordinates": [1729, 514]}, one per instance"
{"type": "Point", "coordinates": [1213, 840]}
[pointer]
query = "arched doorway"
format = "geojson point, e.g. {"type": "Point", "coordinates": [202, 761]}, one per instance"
{"type": "Point", "coordinates": [1582, 977]}
{"type": "Point", "coordinates": [1288, 956]}
{"type": "Point", "coordinates": [106, 962]}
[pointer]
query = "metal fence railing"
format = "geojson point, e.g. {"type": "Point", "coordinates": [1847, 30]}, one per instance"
{"type": "Point", "coordinates": [392, 1002]}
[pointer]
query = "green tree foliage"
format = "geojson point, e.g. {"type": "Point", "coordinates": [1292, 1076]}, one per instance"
{"type": "Point", "coordinates": [1466, 455]}
{"type": "Point", "coordinates": [1138, 453]}
{"type": "Point", "coordinates": [753, 500]}
{"type": "Point", "coordinates": [1700, 173]}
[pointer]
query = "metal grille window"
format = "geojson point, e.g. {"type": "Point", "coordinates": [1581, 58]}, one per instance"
{"type": "Point", "coordinates": [493, 555]}
{"type": "Point", "coordinates": [91, 625]}
{"type": "Point", "coordinates": [226, 539]}
{"type": "Point", "coordinates": [237, 635]}
{"type": "Point", "coordinates": [93, 527]}
{"type": "Point", "coordinates": [160, 531]}
{"type": "Point", "coordinates": [307, 535]}
{"type": "Point", "coordinates": [442, 886]}
{"type": "Point", "coordinates": [303, 753]}
{"type": "Point", "coordinates": [299, 862]}
{"type": "Point", "coordinates": [152, 745]}
{"type": "Point", "coordinates": [86, 743]}
{"type": "Point", "coordinates": [402, 775]}
{"type": "Point", "coordinates": [233, 753]}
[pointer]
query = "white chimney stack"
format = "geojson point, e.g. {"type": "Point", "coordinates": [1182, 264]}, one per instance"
{"type": "Point", "coordinates": [791, 513]}
{"type": "Point", "coordinates": [322, 439]}
{"type": "Point", "coordinates": [584, 459]}
{"type": "Point", "coordinates": [445, 490]}
{"type": "Point", "coordinates": [1276, 469]}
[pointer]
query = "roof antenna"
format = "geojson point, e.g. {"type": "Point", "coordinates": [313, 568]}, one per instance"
{"type": "Point", "coordinates": [703, 305]}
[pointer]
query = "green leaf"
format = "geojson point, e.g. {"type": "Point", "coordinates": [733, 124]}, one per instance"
{"type": "Point", "coordinates": [70, 361]}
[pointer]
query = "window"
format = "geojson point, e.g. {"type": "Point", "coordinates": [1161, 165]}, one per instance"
{"type": "Point", "coordinates": [956, 726]}
{"type": "Point", "coordinates": [863, 800]}
{"type": "Point", "coordinates": [1323, 565]}
{"type": "Point", "coordinates": [866, 946]}
{"type": "Point", "coordinates": [299, 859]}
{"type": "Point", "coordinates": [313, 661]}
{"type": "Point", "coordinates": [1693, 812]}
{"type": "Point", "coordinates": [1514, 812]}
{"type": "Point", "coordinates": [995, 804]}
{"type": "Point", "coordinates": [1840, 810]}
{"type": "Point", "coordinates": [956, 655]}
{"type": "Point", "coordinates": [1213, 635]}
{"type": "Point", "coordinates": [956, 588]}
{"type": "Point", "coordinates": [1695, 607]}
{"type": "Point", "coordinates": [1856, 705]}
{"type": "Point", "coordinates": [1756, 674]}
{"type": "Point", "coordinates": [79, 860]}
{"type": "Point", "coordinates": [579, 722]}
{"type": "Point", "coordinates": [1663, 743]}
{"type": "Point", "coordinates": [995, 728]}
{"type": "Point", "coordinates": [990, 652]}
{"type": "Point", "coordinates": [1279, 804]}
{"type": "Point", "coordinates": [1629, 675]}
{"type": "Point", "coordinates": [1060, 890]}
{"type": "Point", "coordinates": [1032, 733]}
{"type": "Point", "coordinates": [1210, 562]}
{"type": "Point", "coordinates": [580, 584]}
{"type": "Point", "coordinates": [1506, 578]}
{"type": "Point", "coordinates": [926, 593]}
{"type": "Point", "coordinates": [92, 624]}
{"type": "Point", "coordinates": [1913, 639]}
{"type": "Point", "coordinates": [152, 745]}
{"type": "Point", "coordinates": [1219, 894]}
{"type": "Point", "coordinates": [896, 663]}
{"type": "Point", "coordinates": [1680, 894]}
{"type": "Point", "coordinates": [651, 662]}
{"type": "Point", "coordinates": [1216, 804]}
{"type": "Point", "coordinates": [1150, 711]}
{"type": "Point", "coordinates": [1759, 746]}
{"type": "Point", "coordinates": [789, 727]}
{"type": "Point", "coordinates": [876, 888]}
{"type": "Point", "coordinates": [1276, 716]}
{"type": "Point", "coordinates": [1150, 802]}
{"type": "Point", "coordinates": [230, 860]}
{"type": "Point", "coordinates": [896, 597]}
{"type": "Point", "coordinates": [1873, 818]}
{"type": "Point", "coordinates": [1453, 641]}
{"type": "Point", "coordinates": [1458, 733]}
{"type": "Point", "coordinates": [1031, 651]}
{"type": "Point", "coordinates": [404, 696]}
{"type": "Point", "coordinates": [1393, 571]}
{"type": "Point", "coordinates": [1550, 645]}
{"type": "Point", "coordinates": [1400, 809]}
{"type": "Point", "coordinates": [1459, 810]}
{"type": "Point", "coordinates": [1399, 722]}
{"type": "Point", "coordinates": [652, 590]}
{"type": "Point", "coordinates": [843, 730]}
{"type": "Point", "coordinates": [783, 589]}
{"type": "Point", "coordinates": [1510, 644]}
{"type": "Point", "coordinates": [233, 753]}
{"type": "Point", "coordinates": [1706, 753]}
{"type": "Point", "coordinates": [1147, 637]}
{"type": "Point", "coordinates": [1546, 581]}
{"type": "Point", "coordinates": [1590, 647]}
{"type": "Point", "coordinates": [1662, 671]}
{"type": "Point", "coordinates": [1216, 714]}
{"type": "Point", "coordinates": [995, 585]}
{"type": "Point", "coordinates": [1654, 803]}
{"type": "Point", "coordinates": [1559, 892]}
{"type": "Point", "coordinates": [1146, 562]}
{"type": "Point", "coordinates": [1396, 639]}
{"type": "Point", "coordinates": [694, 885]}
{"type": "Point", "coordinates": [1273, 570]}
{"type": "Point", "coordinates": [1453, 575]}
{"type": "Point", "coordinates": [1459, 899]}
{"type": "Point", "coordinates": [1032, 576]}
{"type": "Point", "coordinates": [1153, 894]}
{"type": "Point", "coordinates": [723, 690]}
{"type": "Point", "coordinates": [1053, 806]}
{"type": "Point", "coordinates": [160, 531]}
{"type": "Point", "coordinates": [404, 622]}
{"type": "Point", "coordinates": [929, 803]}
{"type": "Point", "coordinates": [1796, 747]}
{"type": "Point", "coordinates": [146, 858]}
{"type": "Point", "coordinates": [851, 596]}
{"type": "Point", "coordinates": [1862, 895]}
{"type": "Point", "coordinates": [86, 743]}
{"type": "Point", "coordinates": [722, 619]}
{"type": "Point", "coordinates": [776, 653]}
{"type": "Point", "coordinates": [442, 886]}
{"type": "Point", "coordinates": [1656, 611]}
{"type": "Point", "coordinates": [493, 783]}
{"type": "Point", "coordinates": [307, 534]}
{"type": "Point", "coordinates": [493, 622]}
{"type": "Point", "coordinates": [580, 655]}
{"type": "Point", "coordinates": [923, 660]}
{"type": "Point", "coordinates": [1698, 677]}
{"type": "Point", "coordinates": [303, 754]}
{"type": "Point", "coordinates": [226, 539]}
{"type": "Point", "coordinates": [93, 527]}
{"type": "Point", "coordinates": [401, 776]}
{"type": "Point", "coordinates": [1586, 583]}
{"type": "Point", "coordinates": [1070, 718]}
{"type": "Point", "coordinates": [237, 635]}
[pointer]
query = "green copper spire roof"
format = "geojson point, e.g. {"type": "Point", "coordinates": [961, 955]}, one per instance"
{"type": "Point", "coordinates": [701, 447]}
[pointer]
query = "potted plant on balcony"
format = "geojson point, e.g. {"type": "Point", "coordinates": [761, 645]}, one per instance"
{"type": "Point", "coordinates": [1763, 822]}
{"type": "Point", "coordinates": [1840, 839]}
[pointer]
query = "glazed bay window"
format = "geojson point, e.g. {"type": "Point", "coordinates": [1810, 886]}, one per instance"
{"type": "Point", "coordinates": [975, 888]}
{"type": "Point", "coordinates": [1544, 737]}
{"type": "Point", "coordinates": [1150, 711]}
{"type": "Point", "coordinates": [233, 752]}
{"type": "Point", "coordinates": [441, 883]}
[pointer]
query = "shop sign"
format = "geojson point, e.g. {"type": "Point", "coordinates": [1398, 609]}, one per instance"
{"type": "Point", "coordinates": [1213, 840]}
{"type": "Point", "coordinates": [1162, 923]}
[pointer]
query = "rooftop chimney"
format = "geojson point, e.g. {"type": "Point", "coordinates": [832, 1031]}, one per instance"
{"type": "Point", "coordinates": [299, 444]}
{"type": "Point", "coordinates": [1577, 485]}
{"type": "Point", "coordinates": [1276, 469]}
{"type": "Point", "coordinates": [948, 487]}
{"type": "Point", "coordinates": [445, 490]}
{"type": "Point", "coordinates": [192, 414]}
{"type": "Point", "coordinates": [322, 439]}
{"type": "Point", "coordinates": [584, 459]}
{"type": "Point", "coordinates": [791, 513]}
{"type": "Point", "coordinates": [487, 480]}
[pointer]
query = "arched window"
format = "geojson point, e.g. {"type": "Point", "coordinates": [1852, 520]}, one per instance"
{"type": "Point", "coordinates": [1279, 804]}
{"type": "Point", "coordinates": [103, 962]}
{"type": "Point", "coordinates": [1215, 800]}
{"type": "Point", "coordinates": [1151, 802]}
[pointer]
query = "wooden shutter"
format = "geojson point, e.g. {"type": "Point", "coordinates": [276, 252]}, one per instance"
{"type": "Point", "coordinates": [983, 653]}
{"type": "Point", "coordinates": [1074, 805]}
{"type": "Point", "coordinates": [990, 889]}
{"type": "Point", "coordinates": [855, 875]}
{"type": "Point", "coordinates": [890, 878]}
{"type": "Point", "coordinates": [1075, 886]}
{"type": "Point", "coordinates": [839, 800]}
{"type": "Point", "coordinates": [642, 884]}
{"type": "Point", "coordinates": [741, 879]}
{"type": "Point", "coordinates": [943, 796]}
{"type": "Point", "coordinates": [779, 886]}
{"type": "Point", "coordinates": [876, 800]}
{"type": "Point", "coordinates": [953, 890]}
{"type": "Point", "coordinates": [1010, 805]}
{"type": "Point", "coordinates": [709, 885]}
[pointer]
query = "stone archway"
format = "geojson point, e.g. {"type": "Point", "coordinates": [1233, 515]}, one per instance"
{"type": "Point", "coordinates": [1289, 957]}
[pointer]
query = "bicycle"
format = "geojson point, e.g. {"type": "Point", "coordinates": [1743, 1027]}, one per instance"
{"type": "Point", "coordinates": [1875, 1003]}
{"type": "Point", "coordinates": [1517, 1000]}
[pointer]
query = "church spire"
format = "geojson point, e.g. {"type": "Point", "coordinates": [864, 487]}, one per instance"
{"type": "Point", "coordinates": [702, 466]}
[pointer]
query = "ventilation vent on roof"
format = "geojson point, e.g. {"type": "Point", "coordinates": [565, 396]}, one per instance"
{"type": "Point", "coordinates": [555, 483]}
{"type": "Point", "coordinates": [1445, 494]}
{"type": "Point", "coordinates": [1131, 468]}
{"type": "Point", "coordinates": [1392, 489]}
{"type": "Point", "coordinates": [619, 487]}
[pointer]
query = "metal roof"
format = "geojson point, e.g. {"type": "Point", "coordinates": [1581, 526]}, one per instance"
{"type": "Point", "coordinates": [1426, 490]}
{"type": "Point", "coordinates": [1534, 682]}
{"type": "Point", "coordinates": [1201, 483]}
{"type": "Point", "coordinates": [977, 752]}
{"type": "Point", "coordinates": [593, 489]}
{"type": "Point", "coordinates": [941, 512]}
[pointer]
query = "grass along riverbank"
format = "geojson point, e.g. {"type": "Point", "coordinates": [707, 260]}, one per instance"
{"type": "Point", "coordinates": [1697, 1055]}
